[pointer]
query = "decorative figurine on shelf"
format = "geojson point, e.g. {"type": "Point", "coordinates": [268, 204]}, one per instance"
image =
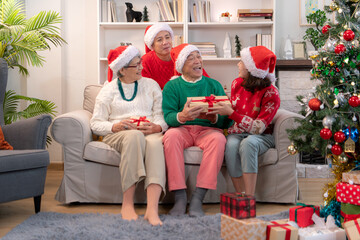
{"type": "Point", "coordinates": [237, 46]}
{"type": "Point", "coordinates": [288, 51]}
{"type": "Point", "coordinates": [227, 46]}
{"type": "Point", "coordinates": [131, 14]}
{"type": "Point", "coordinates": [145, 15]}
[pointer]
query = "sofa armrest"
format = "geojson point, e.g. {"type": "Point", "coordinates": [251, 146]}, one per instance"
{"type": "Point", "coordinates": [72, 131]}
{"type": "Point", "coordinates": [28, 133]}
{"type": "Point", "coordinates": [283, 120]}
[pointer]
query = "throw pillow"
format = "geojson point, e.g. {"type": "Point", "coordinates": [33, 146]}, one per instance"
{"type": "Point", "coordinates": [4, 145]}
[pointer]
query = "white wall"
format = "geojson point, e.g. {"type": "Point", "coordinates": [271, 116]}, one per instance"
{"type": "Point", "coordinates": [70, 68]}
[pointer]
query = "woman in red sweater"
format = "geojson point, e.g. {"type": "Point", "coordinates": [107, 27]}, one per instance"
{"type": "Point", "coordinates": [157, 63]}
{"type": "Point", "coordinates": [255, 102]}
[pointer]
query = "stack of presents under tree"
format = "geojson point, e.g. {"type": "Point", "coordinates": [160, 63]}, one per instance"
{"type": "Point", "coordinates": [305, 222]}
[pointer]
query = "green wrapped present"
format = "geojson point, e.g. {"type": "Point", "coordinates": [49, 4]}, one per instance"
{"type": "Point", "coordinates": [349, 212]}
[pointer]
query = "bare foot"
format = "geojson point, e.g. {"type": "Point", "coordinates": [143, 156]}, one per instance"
{"type": "Point", "coordinates": [128, 213]}
{"type": "Point", "coordinates": [153, 218]}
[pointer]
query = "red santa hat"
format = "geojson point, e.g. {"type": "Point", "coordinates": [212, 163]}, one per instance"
{"type": "Point", "coordinates": [259, 61]}
{"type": "Point", "coordinates": [119, 57]}
{"type": "Point", "coordinates": [151, 32]}
{"type": "Point", "coordinates": [179, 55]}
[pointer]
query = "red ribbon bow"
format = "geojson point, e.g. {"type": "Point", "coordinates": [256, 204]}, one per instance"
{"type": "Point", "coordinates": [275, 224]}
{"type": "Point", "coordinates": [138, 121]}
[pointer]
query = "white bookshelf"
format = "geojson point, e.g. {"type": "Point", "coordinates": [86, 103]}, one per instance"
{"type": "Point", "coordinates": [111, 34]}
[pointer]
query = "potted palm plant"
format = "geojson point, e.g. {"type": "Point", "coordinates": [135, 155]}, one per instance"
{"type": "Point", "coordinates": [21, 41]}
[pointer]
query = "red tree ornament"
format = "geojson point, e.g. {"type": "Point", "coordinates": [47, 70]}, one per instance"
{"type": "Point", "coordinates": [325, 29]}
{"type": "Point", "coordinates": [340, 49]}
{"type": "Point", "coordinates": [314, 104]}
{"type": "Point", "coordinates": [336, 149]}
{"type": "Point", "coordinates": [354, 101]}
{"type": "Point", "coordinates": [339, 137]}
{"type": "Point", "coordinates": [349, 35]}
{"type": "Point", "coordinates": [325, 133]}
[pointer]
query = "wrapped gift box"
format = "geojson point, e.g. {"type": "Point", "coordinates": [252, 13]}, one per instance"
{"type": "Point", "coordinates": [352, 229]}
{"type": "Point", "coordinates": [238, 205]}
{"type": "Point", "coordinates": [280, 230]}
{"type": "Point", "coordinates": [313, 233]}
{"type": "Point", "coordinates": [348, 193]}
{"type": "Point", "coordinates": [210, 101]}
{"type": "Point", "coordinates": [249, 229]}
{"type": "Point", "coordinates": [352, 177]}
{"type": "Point", "coordinates": [349, 212]}
{"type": "Point", "coordinates": [138, 121]}
{"type": "Point", "coordinates": [302, 214]}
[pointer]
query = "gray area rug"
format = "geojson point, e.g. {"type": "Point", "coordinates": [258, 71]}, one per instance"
{"type": "Point", "coordinates": [58, 226]}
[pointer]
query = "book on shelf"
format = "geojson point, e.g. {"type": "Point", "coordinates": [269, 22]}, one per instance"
{"type": "Point", "coordinates": [104, 17]}
{"type": "Point", "coordinates": [259, 10]}
{"type": "Point", "coordinates": [207, 49]}
{"type": "Point", "coordinates": [170, 11]}
{"type": "Point", "coordinates": [264, 40]}
{"type": "Point", "coordinates": [254, 19]}
{"type": "Point", "coordinates": [200, 11]}
{"type": "Point", "coordinates": [108, 11]}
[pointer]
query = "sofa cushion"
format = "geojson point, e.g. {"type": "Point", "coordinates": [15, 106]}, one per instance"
{"type": "Point", "coordinates": [193, 155]}
{"type": "Point", "coordinates": [16, 160]}
{"type": "Point", "coordinates": [90, 94]}
{"type": "Point", "coordinates": [100, 152]}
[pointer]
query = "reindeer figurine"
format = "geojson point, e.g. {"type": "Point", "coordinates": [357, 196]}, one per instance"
{"type": "Point", "coordinates": [131, 14]}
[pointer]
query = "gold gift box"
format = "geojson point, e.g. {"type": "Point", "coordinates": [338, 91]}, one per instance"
{"type": "Point", "coordinates": [205, 102]}
{"type": "Point", "coordinates": [249, 229]}
{"type": "Point", "coordinates": [353, 176]}
{"type": "Point", "coordinates": [279, 232]}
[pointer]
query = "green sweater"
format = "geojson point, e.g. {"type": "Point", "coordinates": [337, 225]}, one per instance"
{"type": "Point", "coordinates": [175, 94]}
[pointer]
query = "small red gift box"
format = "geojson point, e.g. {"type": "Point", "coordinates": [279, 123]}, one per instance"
{"type": "Point", "coordinates": [302, 214]}
{"type": "Point", "coordinates": [238, 205]}
{"type": "Point", "coordinates": [348, 193]}
{"type": "Point", "coordinates": [138, 121]}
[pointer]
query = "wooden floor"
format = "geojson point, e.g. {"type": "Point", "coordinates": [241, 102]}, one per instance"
{"type": "Point", "coordinates": [13, 213]}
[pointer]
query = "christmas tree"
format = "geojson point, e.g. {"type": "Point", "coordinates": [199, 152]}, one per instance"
{"type": "Point", "coordinates": [237, 46]}
{"type": "Point", "coordinates": [145, 15]}
{"type": "Point", "coordinates": [331, 112]}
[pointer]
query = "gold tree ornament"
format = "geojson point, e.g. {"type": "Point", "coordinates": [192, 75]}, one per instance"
{"type": "Point", "coordinates": [334, 6]}
{"type": "Point", "coordinates": [343, 158]}
{"type": "Point", "coordinates": [292, 150]}
{"type": "Point", "coordinates": [349, 145]}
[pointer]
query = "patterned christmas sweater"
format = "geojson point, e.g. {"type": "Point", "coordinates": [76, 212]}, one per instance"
{"type": "Point", "coordinates": [157, 69]}
{"type": "Point", "coordinates": [253, 112]}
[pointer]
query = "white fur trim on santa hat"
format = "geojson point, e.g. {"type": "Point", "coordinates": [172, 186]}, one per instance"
{"type": "Point", "coordinates": [154, 30]}
{"type": "Point", "coordinates": [249, 63]}
{"type": "Point", "coordinates": [185, 52]}
{"type": "Point", "coordinates": [124, 58]}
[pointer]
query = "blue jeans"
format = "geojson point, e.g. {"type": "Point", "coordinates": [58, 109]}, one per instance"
{"type": "Point", "coordinates": [242, 152]}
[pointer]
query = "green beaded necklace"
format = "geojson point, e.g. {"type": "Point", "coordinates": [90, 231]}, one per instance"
{"type": "Point", "coordinates": [122, 91]}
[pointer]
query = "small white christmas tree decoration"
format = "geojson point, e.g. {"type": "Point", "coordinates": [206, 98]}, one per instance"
{"type": "Point", "coordinates": [227, 46]}
{"type": "Point", "coordinates": [288, 51]}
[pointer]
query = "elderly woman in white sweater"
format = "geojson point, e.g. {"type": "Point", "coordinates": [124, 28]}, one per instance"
{"type": "Point", "coordinates": [142, 155]}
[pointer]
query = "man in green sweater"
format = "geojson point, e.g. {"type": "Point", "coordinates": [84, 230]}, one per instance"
{"type": "Point", "coordinates": [191, 127]}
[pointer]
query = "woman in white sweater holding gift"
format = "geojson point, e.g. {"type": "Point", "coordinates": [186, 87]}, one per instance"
{"type": "Point", "coordinates": [119, 102]}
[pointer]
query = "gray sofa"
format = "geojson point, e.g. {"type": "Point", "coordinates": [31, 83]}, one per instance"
{"type": "Point", "coordinates": [91, 171]}
{"type": "Point", "coordinates": [23, 170]}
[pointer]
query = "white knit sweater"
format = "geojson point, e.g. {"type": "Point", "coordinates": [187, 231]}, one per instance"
{"type": "Point", "coordinates": [110, 107]}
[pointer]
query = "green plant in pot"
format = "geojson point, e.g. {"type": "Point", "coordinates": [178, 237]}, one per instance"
{"type": "Point", "coordinates": [21, 40]}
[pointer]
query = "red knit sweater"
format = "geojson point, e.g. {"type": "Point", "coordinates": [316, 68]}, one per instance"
{"type": "Point", "coordinates": [157, 69]}
{"type": "Point", "coordinates": [253, 112]}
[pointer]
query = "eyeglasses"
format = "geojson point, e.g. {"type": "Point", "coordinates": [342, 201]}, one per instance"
{"type": "Point", "coordinates": [136, 66]}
